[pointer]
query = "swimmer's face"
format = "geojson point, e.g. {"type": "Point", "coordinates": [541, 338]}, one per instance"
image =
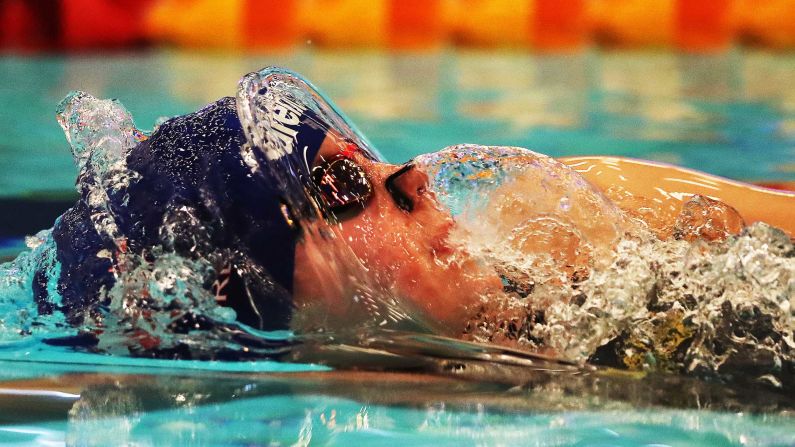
{"type": "Point", "coordinates": [400, 235]}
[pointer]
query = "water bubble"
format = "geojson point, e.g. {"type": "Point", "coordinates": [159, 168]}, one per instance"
{"type": "Point", "coordinates": [583, 283]}
{"type": "Point", "coordinates": [565, 204]}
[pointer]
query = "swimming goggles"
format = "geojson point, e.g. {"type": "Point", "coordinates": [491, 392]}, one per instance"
{"type": "Point", "coordinates": [345, 187]}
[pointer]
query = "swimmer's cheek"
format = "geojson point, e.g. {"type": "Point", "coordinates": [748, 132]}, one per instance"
{"type": "Point", "coordinates": [316, 285]}
{"type": "Point", "coordinates": [447, 295]}
{"type": "Point", "coordinates": [404, 252]}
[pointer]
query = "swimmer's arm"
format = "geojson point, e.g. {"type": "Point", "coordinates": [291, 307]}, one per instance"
{"type": "Point", "coordinates": [665, 183]}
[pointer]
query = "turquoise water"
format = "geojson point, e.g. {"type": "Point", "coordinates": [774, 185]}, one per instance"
{"type": "Point", "coordinates": [731, 114]}
{"type": "Point", "coordinates": [54, 397]}
{"type": "Point", "coordinates": [304, 420]}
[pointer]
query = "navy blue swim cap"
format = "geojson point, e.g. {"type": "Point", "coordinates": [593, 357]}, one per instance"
{"type": "Point", "coordinates": [197, 160]}
{"type": "Point", "coordinates": [235, 164]}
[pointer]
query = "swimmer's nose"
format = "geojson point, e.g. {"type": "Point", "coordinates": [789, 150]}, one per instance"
{"type": "Point", "coordinates": [406, 186]}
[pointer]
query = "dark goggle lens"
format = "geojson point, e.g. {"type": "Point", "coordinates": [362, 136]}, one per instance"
{"type": "Point", "coordinates": [342, 183]}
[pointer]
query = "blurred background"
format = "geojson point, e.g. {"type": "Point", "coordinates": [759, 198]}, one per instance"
{"type": "Point", "coordinates": [539, 25]}
{"type": "Point", "coordinates": [708, 84]}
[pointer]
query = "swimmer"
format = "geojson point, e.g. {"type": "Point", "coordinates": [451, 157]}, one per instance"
{"type": "Point", "coordinates": [206, 189]}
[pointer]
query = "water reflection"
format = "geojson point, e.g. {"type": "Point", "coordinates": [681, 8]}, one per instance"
{"type": "Point", "coordinates": [729, 114]}
{"type": "Point", "coordinates": [389, 408]}
{"type": "Point", "coordinates": [709, 76]}
{"type": "Point", "coordinates": [520, 92]}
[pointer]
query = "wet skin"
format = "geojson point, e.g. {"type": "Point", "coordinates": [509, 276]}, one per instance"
{"type": "Point", "coordinates": [407, 252]}
{"type": "Point", "coordinates": [666, 188]}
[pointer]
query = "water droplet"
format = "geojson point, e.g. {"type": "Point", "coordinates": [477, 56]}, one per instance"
{"type": "Point", "coordinates": [565, 204]}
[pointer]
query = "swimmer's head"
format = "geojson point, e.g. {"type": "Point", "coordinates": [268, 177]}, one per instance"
{"type": "Point", "coordinates": [374, 228]}
{"type": "Point", "coordinates": [321, 233]}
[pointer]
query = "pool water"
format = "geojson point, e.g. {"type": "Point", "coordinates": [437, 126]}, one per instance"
{"type": "Point", "coordinates": [290, 418]}
{"type": "Point", "coordinates": [53, 397]}
{"type": "Point", "coordinates": [731, 114]}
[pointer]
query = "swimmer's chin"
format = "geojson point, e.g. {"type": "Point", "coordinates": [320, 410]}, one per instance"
{"type": "Point", "coordinates": [439, 300]}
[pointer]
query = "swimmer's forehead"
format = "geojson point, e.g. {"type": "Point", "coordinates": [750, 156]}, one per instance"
{"type": "Point", "coordinates": [335, 144]}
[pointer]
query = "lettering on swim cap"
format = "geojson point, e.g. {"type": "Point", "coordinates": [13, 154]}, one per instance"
{"type": "Point", "coordinates": [285, 120]}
